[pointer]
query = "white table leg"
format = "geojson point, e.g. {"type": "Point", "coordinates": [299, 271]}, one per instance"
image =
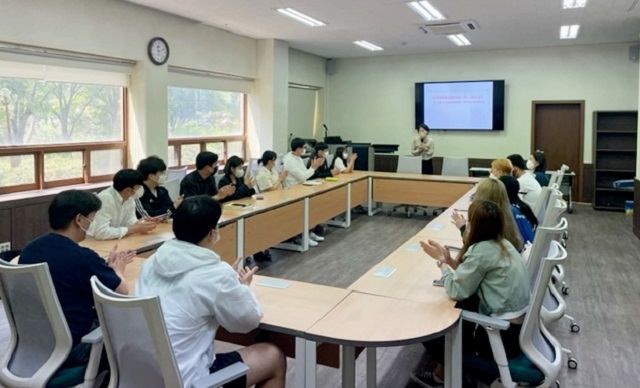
{"type": "Point", "coordinates": [453, 357]}
{"type": "Point", "coordinates": [305, 374]}
{"type": "Point", "coordinates": [305, 226]}
{"type": "Point", "coordinates": [371, 368]}
{"type": "Point", "coordinates": [348, 367]}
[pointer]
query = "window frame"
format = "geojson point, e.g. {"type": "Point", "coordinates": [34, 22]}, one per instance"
{"type": "Point", "coordinates": [177, 143]}
{"type": "Point", "coordinates": [38, 152]}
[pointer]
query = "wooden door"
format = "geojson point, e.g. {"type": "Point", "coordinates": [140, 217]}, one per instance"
{"type": "Point", "coordinates": [557, 129]}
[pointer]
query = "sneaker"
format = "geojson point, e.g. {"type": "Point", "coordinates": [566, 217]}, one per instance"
{"type": "Point", "coordinates": [315, 237]}
{"type": "Point", "coordinates": [312, 243]}
{"type": "Point", "coordinates": [426, 379]}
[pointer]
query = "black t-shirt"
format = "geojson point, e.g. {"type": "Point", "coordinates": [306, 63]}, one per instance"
{"type": "Point", "coordinates": [193, 184]}
{"type": "Point", "coordinates": [321, 172]}
{"type": "Point", "coordinates": [242, 190]}
{"type": "Point", "coordinates": [71, 267]}
{"type": "Point", "coordinates": [156, 205]}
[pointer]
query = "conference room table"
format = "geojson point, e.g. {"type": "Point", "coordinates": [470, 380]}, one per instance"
{"type": "Point", "coordinates": [374, 311]}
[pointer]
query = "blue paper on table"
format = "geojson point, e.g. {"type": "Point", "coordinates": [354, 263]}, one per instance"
{"type": "Point", "coordinates": [274, 283]}
{"type": "Point", "coordinates": [437, 227]}
{"type": "Point", "coordinates": [412, 248]}
{"type": "Point", "coordinates": [384, 272]}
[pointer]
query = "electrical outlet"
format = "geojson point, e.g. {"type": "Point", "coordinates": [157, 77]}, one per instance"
{"type": "Point", "coordinates": [5, 246]}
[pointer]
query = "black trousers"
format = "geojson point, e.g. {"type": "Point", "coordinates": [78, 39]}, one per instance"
{"type": "Point", "coordinates": [427, 167]}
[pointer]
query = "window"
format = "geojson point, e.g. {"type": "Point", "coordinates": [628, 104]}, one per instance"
{"type": "Point", "coordinates": [59, 133]}
{"type": "Point", "coordinates": [203, 119]}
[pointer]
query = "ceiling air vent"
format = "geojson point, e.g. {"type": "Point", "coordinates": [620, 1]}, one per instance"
{"type": "Point", "coordinates": [450, 28]}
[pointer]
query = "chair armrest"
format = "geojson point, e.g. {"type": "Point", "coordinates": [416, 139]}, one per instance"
{"type": "Point", "coordinates": [93, 337]}
{"type": "Point", "coordinates": [222, 376]}
{"type": "Point", "coordinates": [485, 320]}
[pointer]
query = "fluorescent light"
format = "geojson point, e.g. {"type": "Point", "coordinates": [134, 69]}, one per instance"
{"type": "Point", "coordinates": [426, 10]}
{"type": "Point", "coordinates": [367, 45]}
{"type": "Point", "coordinates": [459, 40]}
{"type": "Point", "coordinates": [302, 18]}
{"type": "Point", "coordinates": [567, 4]}
{"type": "Point", "coordinates": [569, 32]}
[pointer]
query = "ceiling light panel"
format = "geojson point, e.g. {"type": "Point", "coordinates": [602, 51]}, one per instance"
{"type": "Point", "coordinates": [367, 45]}
{"type": "Point", "coordinates": [426, 10]}
{"type": "Point", "coordinates": [302, 18]}
{"type": "Point", "coordinates": [569, 4]}
{"type": "Point", "coordinates": [569, 31]}
{"type": "Point", "coordinates": [459, 40]}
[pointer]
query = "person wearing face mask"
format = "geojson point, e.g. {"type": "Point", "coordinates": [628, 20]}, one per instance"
{"type": "Point", "coordinates": [117, 217]}
{"type": "Point", "coordinates": [71, 267]}
{"type": "Point", "coordinates": [343, 162]}
{"type": "Point", "coordinates": [155, 201]}
{"type": "Point", "coordinates": [294, 164]}
{"type": "Point", "coordinates": [199, 293]}
{"type": "Point", "coordinates": [424, 146]}
{"type": "Point", "coordinates": [323, 171]}
{"type": "Point", "coordinates": [530, 189]}
{"type": "Point", "coordinates": [234, 176]}
{"type": "Point", "coordinates": [267, 178]}
{"type": "Point", "coordinates": [202, 181]}
{"type": "Point", "coordinates": [537, 164]}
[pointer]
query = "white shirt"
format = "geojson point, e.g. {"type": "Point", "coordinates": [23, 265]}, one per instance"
{"type": "Point", "coordinates": [339, 164]}
{"type": "Point", "coordinates": [267, 179]}
{"type": "Point", "coordinates": [114, 217]}
{"type": "Point", "coordinates": [298, 172]}
{"type": "Point", "coordinates": [530, 188]}
{"type": "Point", "coordinates": [198, 293]}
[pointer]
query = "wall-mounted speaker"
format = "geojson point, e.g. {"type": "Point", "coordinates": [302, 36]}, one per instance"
{"type": "Point", "coordinates": [331, 66]}
{"type": "Point", "coordinates": [634, 53]}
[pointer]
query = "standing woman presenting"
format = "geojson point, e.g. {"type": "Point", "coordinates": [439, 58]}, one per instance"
{"type": "Point", "coordinates": [424, 146]}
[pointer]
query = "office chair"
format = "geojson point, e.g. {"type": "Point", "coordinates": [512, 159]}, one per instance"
{"type": "Point", "coordinates": [137, 343]}
{"type": "Point", "coordinates": [176, 173]}
{"type": "Point", "coordinates": [455, 166]}
{"type": "Point", "coordinates": [173, 187]}
{"type": "Point", "coordinates": [540, 361]}
{"type": "Point", "coordinates": [409, 165]}
{"type": "Point", "coordinates": [40, 338]}
{"type": "Point", "coordinates": [540, 208]}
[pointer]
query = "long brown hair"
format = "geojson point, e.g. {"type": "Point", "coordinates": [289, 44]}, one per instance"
{"type": "Point", "coordinates": [493, 190]}
{"type": "Point", "coordinates": [486, 223]}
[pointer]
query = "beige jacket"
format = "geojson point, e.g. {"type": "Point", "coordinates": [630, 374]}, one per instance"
{"type": "Point", "coordinates": [426, 153]}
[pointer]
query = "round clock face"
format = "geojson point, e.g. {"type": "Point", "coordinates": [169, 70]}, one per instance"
{"type": "Point", "coordinates": [158, 51]}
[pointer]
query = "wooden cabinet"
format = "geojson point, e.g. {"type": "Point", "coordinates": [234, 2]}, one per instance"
{"type": "Point", "coordinates": [614, 157]}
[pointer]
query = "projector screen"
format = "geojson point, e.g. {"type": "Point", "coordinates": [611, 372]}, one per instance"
{"type": "Point", "coordinates": [460, 105]}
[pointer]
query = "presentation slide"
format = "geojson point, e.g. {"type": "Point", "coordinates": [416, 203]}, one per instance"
{"type": "Point", "coordinates": [459, 105]}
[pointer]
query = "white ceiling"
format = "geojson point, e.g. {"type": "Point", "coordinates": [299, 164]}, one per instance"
{"type": "Point", "coordinates": [394, 26]}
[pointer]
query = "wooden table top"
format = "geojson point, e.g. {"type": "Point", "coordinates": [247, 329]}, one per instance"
{"type": "Point", "coordinates": [297, 307]}
{"type": "Point", "coordinates": [421, 177]}
{"type": "Point", "coordinates": [137, 242]}
{"type": "Point", "coordinates": [371, 320]}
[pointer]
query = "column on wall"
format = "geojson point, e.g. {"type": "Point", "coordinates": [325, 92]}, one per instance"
{"type": "Point", "coordinates": [148, 112]}
{"type": "Point", "coordinates": [268, 101]}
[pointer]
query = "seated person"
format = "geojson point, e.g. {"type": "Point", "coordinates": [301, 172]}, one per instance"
{"type": "Point", "coordinates": [117, 217]}
{"type": "Point", "coordinates": [500, 167]}
{"type": "Point", "coordinates": [155, 201]}
{"type": "Point", "coordinates": [538, 164]}
{"type": "Point", "coordinates": [293, 163]}
{"type": "Point", "coordinates": [493, 190]}
{"type": "Point", "coordinates": [525, 219]}
{"type": "Point", "coordinates": [267, 178]}
{"type": "Point", "coordinates": [529, 187]}
{"type": "Point", "coordinates": [201, 181]}
{"type": "Point", "coordinates": [199, 293]}
{"type": "Point", "coordinates": [72, 266]}
{"type": "Point", "coordinates": [491, 271]}
{"type": "Point", "coordinates": [343, 162]}
{"type": "Point", "coordinates": [323, 170]}
{"type": "Point", "coordinates": [234, 176]}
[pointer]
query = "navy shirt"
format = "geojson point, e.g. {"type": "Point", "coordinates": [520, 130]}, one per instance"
{"type": "Point", "coordinates": [542, 178]}
{"type": "Point", "coordinates": [194, 184]}
{"type": "Point", "coordinates": [71, 267]}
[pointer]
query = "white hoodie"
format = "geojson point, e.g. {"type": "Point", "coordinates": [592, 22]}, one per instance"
{"type": "Point", "coordinates": [198, 293]}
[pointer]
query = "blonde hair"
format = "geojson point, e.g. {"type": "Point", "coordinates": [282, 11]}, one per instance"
{"type": "Point", "coordinates": [493, 190]}
{"type": "Point", "coordinates": [503, 166]}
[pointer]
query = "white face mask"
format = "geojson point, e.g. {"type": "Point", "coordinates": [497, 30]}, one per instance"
{"type": "Point", "coordinates": [88, 227]}
{"type": "Point", "coordinates": [239, 173]}
{"type": "Point", "coordinates": [345, 155]}
{"type": "Point", "coordinates": [138, 193]}
{"type": "Point", "coordinates": [215, 240]}
{"type": "Point", "coordinates": [162, 178]}
{"type": "Point", "coordinates": [530, 165]}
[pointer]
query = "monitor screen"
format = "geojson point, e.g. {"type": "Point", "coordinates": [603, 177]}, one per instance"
{"type": "Point", "coordinates": [460, 105]}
